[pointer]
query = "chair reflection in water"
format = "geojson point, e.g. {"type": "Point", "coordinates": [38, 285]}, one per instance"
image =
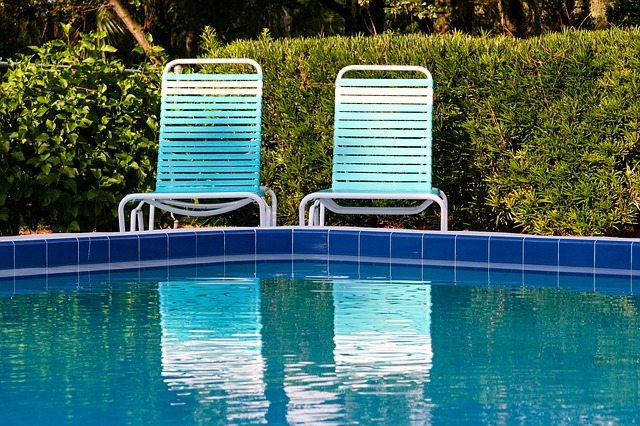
{"type": "Point", "coordinates": [211, 343]}
{"type": "Point", "coordinates": [247, 344]}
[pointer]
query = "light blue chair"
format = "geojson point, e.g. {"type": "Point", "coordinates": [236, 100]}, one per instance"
{"type": "Point", "coordinates": [382, 144]}
{"type": "Point", "coordinates": [210, 140]}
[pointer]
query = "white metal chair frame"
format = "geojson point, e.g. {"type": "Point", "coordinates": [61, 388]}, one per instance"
{"type": "Point", "coordinates": [326, 200]}
{"type": "Point", "coordinates": [189, 203]}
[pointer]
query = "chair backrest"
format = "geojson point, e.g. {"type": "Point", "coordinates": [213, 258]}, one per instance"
{"type": "Point", "coordinates": [382, 131]}
{"type": "Point", "coordinates": [210, 129]}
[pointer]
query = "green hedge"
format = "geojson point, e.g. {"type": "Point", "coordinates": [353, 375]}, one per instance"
{"type": "Point", "coordinates": [537, 135]}
{"type": "Point", "coordinates": [76, 134]}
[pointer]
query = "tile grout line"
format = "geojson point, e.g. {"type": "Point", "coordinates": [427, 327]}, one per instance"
{"type": "Point", "coordinates": [489, 261]}
{"type": "Point", "coordinates": [593, 276]}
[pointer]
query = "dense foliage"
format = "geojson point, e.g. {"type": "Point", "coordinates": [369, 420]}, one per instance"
{"type": "Point", "coordinates": [538, 135]}
{"type": "Point", "coordinates": [176, 24]}
{"type": "Point", "coordinates": [76, 134]}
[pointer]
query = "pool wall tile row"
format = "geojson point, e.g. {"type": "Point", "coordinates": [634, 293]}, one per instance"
{"type": "Point", "coordinates": [486, 251]}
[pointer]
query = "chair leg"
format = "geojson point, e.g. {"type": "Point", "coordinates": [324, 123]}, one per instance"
{"type": "Point", "coordinates": [322, 214]}
{"type": "Point", "coordinates": [444, 212]}
{"type": "Point", "coordinates": [132, 221]}
{"type": "Point", "coordinates": [140, 220]}
{"type": "Point", "coordinates": [152, 217]}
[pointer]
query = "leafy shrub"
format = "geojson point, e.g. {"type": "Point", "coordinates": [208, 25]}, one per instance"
{"type": "Point", "coordinates": [76, 134]}
{"type": "Point", "coordinates": [538, 135]}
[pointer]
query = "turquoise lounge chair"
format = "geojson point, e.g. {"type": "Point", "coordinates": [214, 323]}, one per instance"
{"type": "Point", "coordinates": [382, 144]}
{"type": "Point", "coordinates": [210, 134]}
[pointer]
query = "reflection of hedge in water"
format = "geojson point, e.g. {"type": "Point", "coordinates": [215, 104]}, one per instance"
{"type": "Point", "coordinates": [61, 344]}
{"type": "Point", "coordinates": [553, 355]}
{"type": "Point", "coordinates": [545, 129]}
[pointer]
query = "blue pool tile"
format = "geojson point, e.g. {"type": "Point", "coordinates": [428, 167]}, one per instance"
{"type": "Point", "coordinates": [438, 247]}
{"type": "Point", "coordinates": [343, 269]}
{"type": "Point", "coordinates": [471, 248]}
{"type": "Point", "coordinates": [344, 243]}
{"type": "Point", "coordinates": [210, 243]}
{"type": "Point", "coordinates": [406, 245]}
{"type": "Point", "coordinates": [153, 247]}
{"type": "Point", "coordinates": [123, 248]}
{"type": "Point", "coordinates": [310, 241]}
{"type": "Point", "coordinates": [635, 257]}
{"type": "Point", "coordinates": [472, 276]}
{"type": "Point", "coordinates": [242, 269]}
{"type": "Point", "coordinates": [62, 252]}
{"type": "Point", "coordinates": [375, 271]}
{"type": "Point", "coordinates": [613, 255]}
{"type": "Point", "coordinates": [375, 244]}
{"type": "Point", "coordinates": [242, 242]}
{"type": "Point", "coordinates": [30, 254]}
{"type": "Point", "coordinates": [270, 269]}
{"type": "Point", "coordinates": [576, 253]}
{"type": "Point", "coordinates": [506, 250]}
{"type": "Point", "coordinates": [182, 245]}
{"type": "Point", "coordinates": [30, 285]}
{"type": "Point", "coordinates": [579, 282]}
{"type": "Point", "coordinates": [406, 272]}
{"type": "Point", "coordinates": [94, 250]}
{"type": "Point", "coordinates": [613, 284]}
{"type": "Point", "coordinates": [309, 268]}
{"type": "Point", "coordinates": [540, 279]}
{"type": "Point", "coordinates": [541, 251]}
{"type": "Point", "coordinates": [505, 277]}
{"type": "Point", "coordinates": [6, 255]}
{"type": "Point", "coordinates": [274, 241]}
{"type": "Point", "coordinates": [439, 274]}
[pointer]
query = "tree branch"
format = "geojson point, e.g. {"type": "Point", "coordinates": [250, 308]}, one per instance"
{"type": "Point", "coordinates": [133, 27]}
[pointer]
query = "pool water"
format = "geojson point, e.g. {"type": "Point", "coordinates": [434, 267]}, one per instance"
{"type": "Point", "coordinates": [235, 348]}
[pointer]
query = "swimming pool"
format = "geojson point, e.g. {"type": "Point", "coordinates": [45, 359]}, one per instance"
{"type": "Point", "coordinates": [319, 326]}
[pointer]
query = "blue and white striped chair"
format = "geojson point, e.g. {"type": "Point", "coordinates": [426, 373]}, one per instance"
{"type": "Point", "coordinates": [382, 144]}
{"type": "Point", "coordinates": [210, 139]}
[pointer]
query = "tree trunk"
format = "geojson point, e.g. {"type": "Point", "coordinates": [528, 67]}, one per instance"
{"type": "Point", "coordinates": [462, 14]}
{"type": "Point", "coordinates": [133, 27]}
{"type": "Point", "coordinates": [512, 17]}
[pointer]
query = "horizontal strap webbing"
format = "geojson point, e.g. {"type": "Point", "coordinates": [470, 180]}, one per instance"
{"type": "Point", "coordinates": [204, 128]}
{"type": "Point", "coordinates": [203, 161]}
{"type": "Point", "coordinates": [200, 152]}
{"type": "Point", "coordinates": [212, 84]}
{"type": "Point", "coordinates": [391, 187]}
{"type": "Point", "coordinates": [211, 92]}
{"type": "Point", "coordinates": [212, 174]}
{"type": "Point", "coordinates": [382, 100]}
{"type": "Point", "coordinates": [207, 136]}
{"type": "Point", "coordinates": [382, 133]}
{"type": "Point", "coordinates": [412, 125]}
{"type": "Point", "coordinates": [377, 91]}
{"type": "Point", "coordinates": [240, 161]}
{"type": "Point", "coordinates": [177, 100]}
{"type": "Point", "coordinates": [254, 120]}
{"type": "Point", "coordinates": [424, 108]}
{"type": "Point", "coordinates": [204, 189]}
{"type": "Point", "coordinates": [384, 82]}
{"type": "Point", "coordinates": [186, 144]}
{"type": "Point", "coordinates": [385, 143]}
{"type": "Point", "coordinates": [383, 116]}
{"type": "Point", "coordinates": [412, 169]}
{"type": "Point", "coordinates": [380, 159]}
{"type": "Point", "coordinates": [211, 77]}
{"type": "Point", "coordinates": [210, 112]}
